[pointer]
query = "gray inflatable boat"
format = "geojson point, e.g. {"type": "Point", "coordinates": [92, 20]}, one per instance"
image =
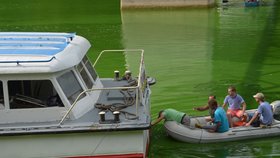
{"type": "Point", "coordinates": [197, 135]}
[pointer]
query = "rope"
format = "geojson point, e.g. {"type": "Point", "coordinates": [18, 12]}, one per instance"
{"type": "Point", "coordinates": [128, 100]}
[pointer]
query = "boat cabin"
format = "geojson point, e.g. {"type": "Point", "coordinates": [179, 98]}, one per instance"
{"type": "Point", "coordinates": [42, 74]}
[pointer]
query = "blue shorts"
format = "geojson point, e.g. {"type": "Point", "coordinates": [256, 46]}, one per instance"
{"type": "Point", "coordinates": [256, 122]}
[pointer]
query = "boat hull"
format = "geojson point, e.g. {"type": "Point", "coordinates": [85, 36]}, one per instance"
{"type": "Point", "coordinates": [89, 144]}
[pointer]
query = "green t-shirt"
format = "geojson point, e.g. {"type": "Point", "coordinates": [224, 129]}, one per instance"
{"type": "Point", "coordinates": [173, 115]}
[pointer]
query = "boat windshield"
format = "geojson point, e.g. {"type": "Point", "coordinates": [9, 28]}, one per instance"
{"type": "Point", "coordinates": [89, 67]}
{"type": "Point", "coordinates": [71, 92]}
{"type": "Point", "coordinates": [87, 72]}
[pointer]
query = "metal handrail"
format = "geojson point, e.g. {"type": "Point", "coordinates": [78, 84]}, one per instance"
{"type": "Point", "coordinates": [29, 61]}
{"type": "Point", "coordinates": [140, 67]}
{"type": "Point", "coordinates": [111, 88]}
{"type": "Point", "coordinates": [117, 50]}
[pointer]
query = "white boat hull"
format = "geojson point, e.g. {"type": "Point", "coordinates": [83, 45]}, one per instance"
{"type": "Point", "coordinates": [90, 144]}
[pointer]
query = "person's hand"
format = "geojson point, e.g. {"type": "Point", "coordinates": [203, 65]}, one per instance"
{"type": "Point", "coordinates": [244, 118]}
{"type": "Point", "coordinates": [194, 108]}
{"type": "Point", "coordinates": [242, 113]}
{"type": "Point", "coordinates": [247, 124]}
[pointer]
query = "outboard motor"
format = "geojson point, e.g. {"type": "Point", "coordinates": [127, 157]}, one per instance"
{"type": "Point", "coordinates": [276, 109]}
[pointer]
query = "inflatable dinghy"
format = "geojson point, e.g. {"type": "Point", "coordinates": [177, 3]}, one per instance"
{"type": "Point", "coordinates": [197, 135]}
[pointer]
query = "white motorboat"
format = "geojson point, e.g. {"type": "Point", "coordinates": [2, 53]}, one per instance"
{"type": "Point", "coordinates": [197, 135]}
{"type": "Point", "coordinates": [54, 104]}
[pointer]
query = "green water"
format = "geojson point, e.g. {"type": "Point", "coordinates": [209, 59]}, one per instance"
{"type": "Point", "coordinates": [197, 52]}
{"type": "Point", "coordinates": [191, 52]}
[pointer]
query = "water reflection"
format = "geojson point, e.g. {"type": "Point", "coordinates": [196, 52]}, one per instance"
{"type": "Point", "coordinates": [178, 47]}
{"type": "Point", "coordinates": [247, 148]}
{"type": "Point", "coordinates": [246, 36]}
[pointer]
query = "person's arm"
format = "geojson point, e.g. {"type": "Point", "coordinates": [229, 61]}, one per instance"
{"type": "Point", "coordinates": [224, 105]}
{"type": "Point", "coordinates": [202, 108]}
{"type": "Point", "coordinates": [253, 118]}
{"type": "Point", "coordinates": [158, 120]}
{"type": "Point", "coordinates": [243, 107]}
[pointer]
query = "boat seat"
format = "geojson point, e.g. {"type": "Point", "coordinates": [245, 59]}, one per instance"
{"type": "Point", "coordinates": [22, 101]}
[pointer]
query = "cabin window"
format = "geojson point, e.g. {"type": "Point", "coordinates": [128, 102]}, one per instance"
{"type": "Point", "coordinates": [70, 86]}
{"type": "Point", "coordinates": [90, 68]}
{"type": "Point", "coordinates": [85, 76]}
{"type": "Point", "coordinates": [32, 94]}
{"type": "Point", "coordinates": [1, 96]}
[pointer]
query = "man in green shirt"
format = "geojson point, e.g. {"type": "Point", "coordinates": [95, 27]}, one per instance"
{"type": "Point", "coordinates": [172, 115]}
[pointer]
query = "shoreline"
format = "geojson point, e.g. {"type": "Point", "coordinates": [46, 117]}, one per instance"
{"type": "Point", "coordinates": [143, 4]}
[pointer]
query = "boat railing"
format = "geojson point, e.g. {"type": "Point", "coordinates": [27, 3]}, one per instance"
{"type": "Point", "coordinates": [141, 82]}
{"type": "Point", "coordinates": [29, 61]}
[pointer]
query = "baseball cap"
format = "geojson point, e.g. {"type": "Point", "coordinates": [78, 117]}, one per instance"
{"type": "Point", "coordinates": [259, 95]}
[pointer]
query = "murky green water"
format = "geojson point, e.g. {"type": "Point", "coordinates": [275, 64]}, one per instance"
{"type": "Point", "coordinates": [197, 52]}
{"type": "Point", "coordinates": [191, 52]}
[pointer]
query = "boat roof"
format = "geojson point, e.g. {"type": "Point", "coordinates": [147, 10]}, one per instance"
{"type": "Point", "coordinates": [34, 43]}
{"type": "Point", "coordinates": [40, 51]}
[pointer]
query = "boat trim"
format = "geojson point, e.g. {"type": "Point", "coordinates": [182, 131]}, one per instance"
{"type": "Point", "coordinates": [28, 61]}
{"type": "Point", "coordinates": [31, 131]}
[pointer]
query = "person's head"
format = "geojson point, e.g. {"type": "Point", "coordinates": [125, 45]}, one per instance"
{"type": "Point", "coordinates": [159, 113]}
{"type": "Point", "coordinates": [259, 97]}
{"type": "Point", "coordinates": [231, 91]}
{"type": "Point", "coordinates": [210, 97]}
{"type": "Point", "coordinates": [213, 104]}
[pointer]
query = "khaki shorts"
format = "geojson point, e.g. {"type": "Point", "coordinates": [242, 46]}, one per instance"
{"type": "Point", "coordinates": [186, 120]}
